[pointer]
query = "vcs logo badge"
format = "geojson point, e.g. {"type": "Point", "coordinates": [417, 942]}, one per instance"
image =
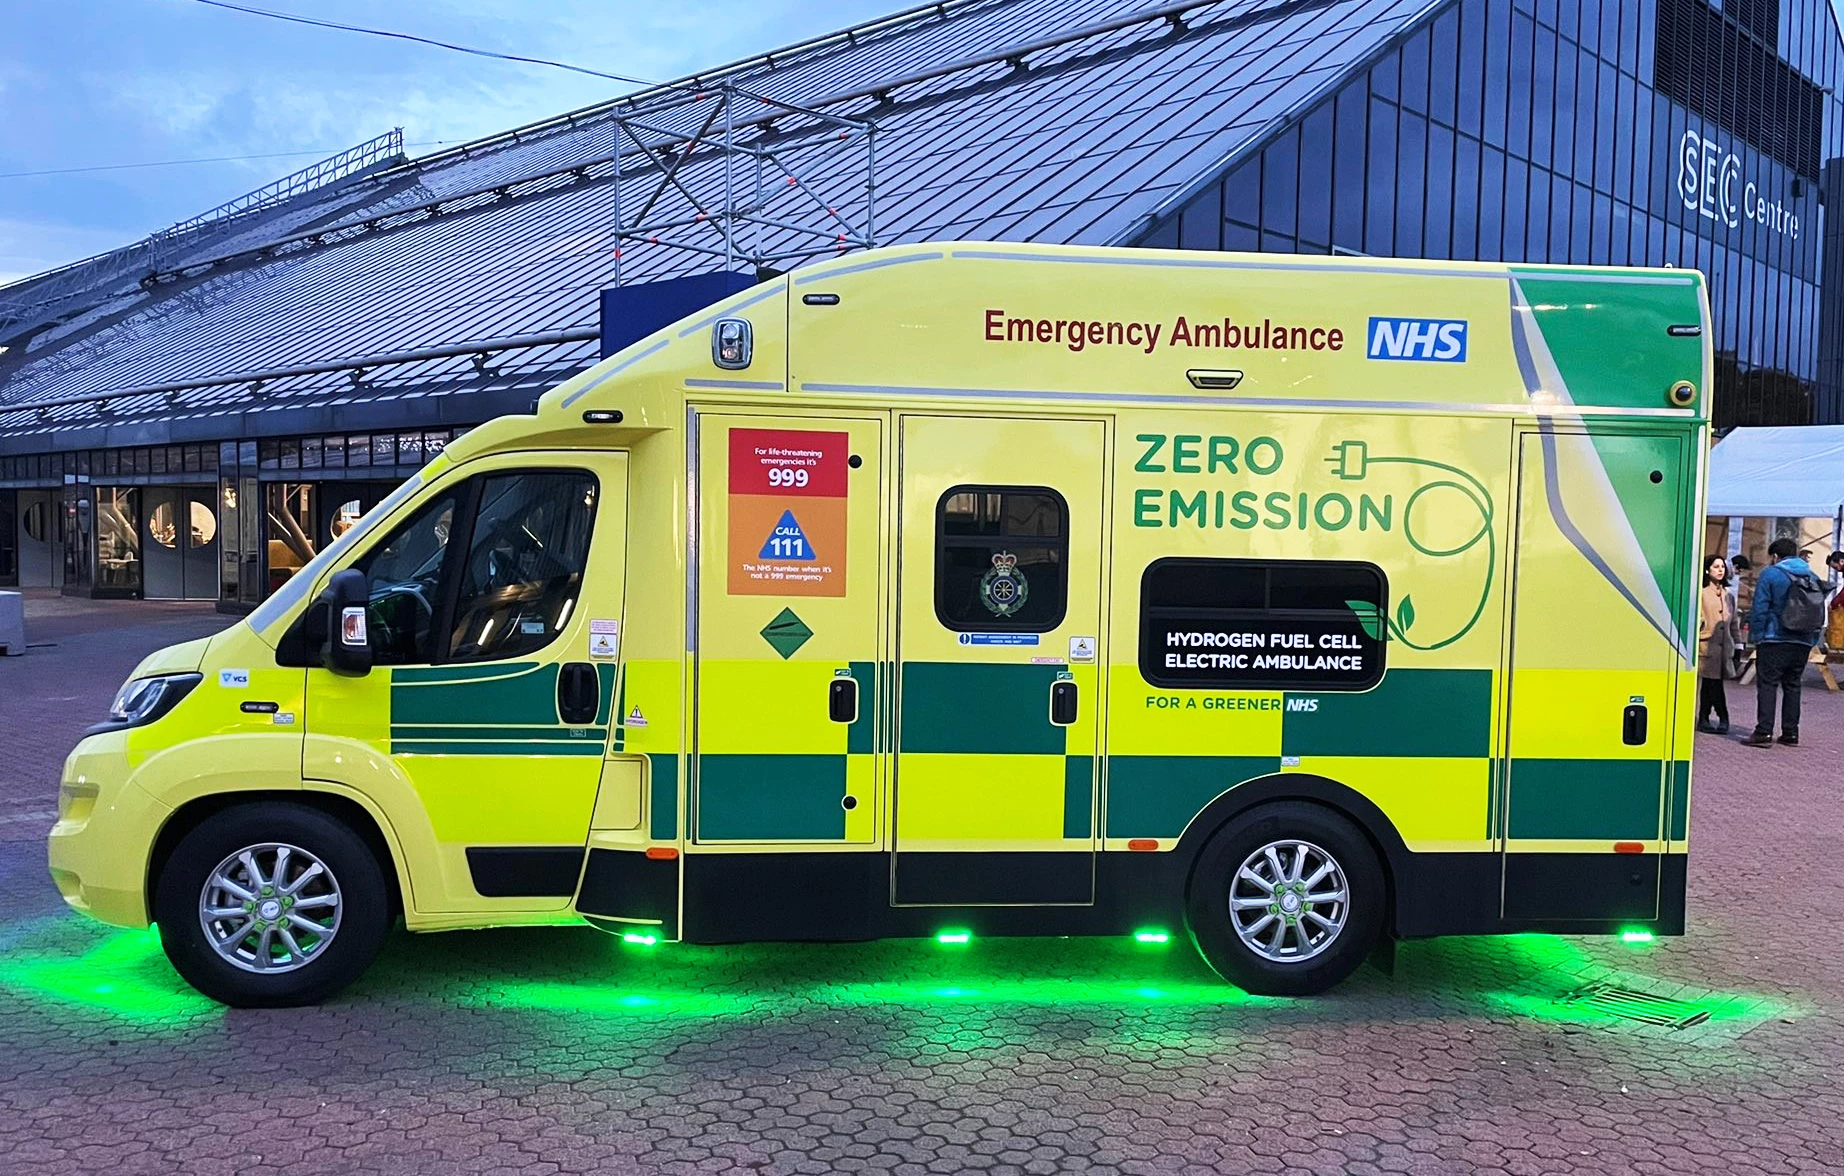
{"type": "Point", "coordinates": [1433, 340]}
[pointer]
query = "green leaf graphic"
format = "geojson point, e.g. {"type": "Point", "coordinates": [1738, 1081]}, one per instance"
{"type": "Point", "coordinates": [1368, 617]}
{"type": "Point", "coordinates": [1405, 614]}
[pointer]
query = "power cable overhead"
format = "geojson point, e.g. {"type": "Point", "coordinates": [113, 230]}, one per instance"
{"type": "Point", "coordinates": [330, 24]}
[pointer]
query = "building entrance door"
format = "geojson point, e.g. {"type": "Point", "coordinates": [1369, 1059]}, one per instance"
{"type": "Point", "coordinates": [181, 543]}
{"type": "Point", "coordinates": [9, 540]}
{"type": "Point", "coordinates": [38, 539]}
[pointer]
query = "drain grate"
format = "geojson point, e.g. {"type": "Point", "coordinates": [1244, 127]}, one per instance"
{"type": "Point", "coordinates": [1629, 1004]}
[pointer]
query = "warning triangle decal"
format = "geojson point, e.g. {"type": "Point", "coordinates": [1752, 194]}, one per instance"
{"type": "Point", "coordinates": [788, 542]}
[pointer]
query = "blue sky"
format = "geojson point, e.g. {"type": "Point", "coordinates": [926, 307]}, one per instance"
{"type": "Point", "coordinates": [94, 82]}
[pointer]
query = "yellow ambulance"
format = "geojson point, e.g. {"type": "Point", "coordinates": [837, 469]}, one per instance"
{"type": "Point", "coordinates": [1293, 604]}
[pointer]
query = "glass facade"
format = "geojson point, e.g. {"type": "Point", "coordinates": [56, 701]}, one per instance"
{"type": "Point", "coordinates": [1596, 132]}
{"type": "Point", "coordinates": [226, 521]}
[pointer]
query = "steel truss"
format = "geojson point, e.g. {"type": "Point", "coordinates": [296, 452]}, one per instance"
{"type": "Point", "coordinates": [730, 174]}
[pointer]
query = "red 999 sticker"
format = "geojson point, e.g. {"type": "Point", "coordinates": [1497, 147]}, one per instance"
{"type": "Point", "coordinates": [787, 512]}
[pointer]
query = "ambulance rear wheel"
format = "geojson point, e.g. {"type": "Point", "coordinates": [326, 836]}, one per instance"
{"type": "Point", "coordinates": [1286, 900]}
{"type": "Point", "coordinates": [271, 905]}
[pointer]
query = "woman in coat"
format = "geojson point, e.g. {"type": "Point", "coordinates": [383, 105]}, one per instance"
{"type": "Point", "coordinates": [1716, 657]}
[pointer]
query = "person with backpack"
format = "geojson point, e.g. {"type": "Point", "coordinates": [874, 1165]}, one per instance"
{"type": "Point", "coordinates": [1785, 622]}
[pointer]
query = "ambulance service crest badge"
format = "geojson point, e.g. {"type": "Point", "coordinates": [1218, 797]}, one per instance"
{"type": "Point", "coordinates": [1003, 589]}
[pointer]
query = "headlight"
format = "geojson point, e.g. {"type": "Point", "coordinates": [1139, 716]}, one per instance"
{"type": "Point", "coordinates": [142, 700]}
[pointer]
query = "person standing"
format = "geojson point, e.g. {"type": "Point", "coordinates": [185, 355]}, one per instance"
{"type": "Point", "coordinates": [1741, 587]}
{"type": "Point", "coordinates": [1834, 623]}
{"type": "Point", "coordinates": [1716, 655]}
{"type": "Point", "coordinates": [1784, 624]}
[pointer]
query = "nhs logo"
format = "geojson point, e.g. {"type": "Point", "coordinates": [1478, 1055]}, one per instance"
{"type": "Point", "coordinates": [1439, 340]}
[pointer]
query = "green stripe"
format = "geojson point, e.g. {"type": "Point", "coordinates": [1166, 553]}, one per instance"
{"type": "Point", "coordinates": [440, 675]}
{"type": "Point", "coordinates": [1493, 781]}
{"type": "Point", "coordinates": [1078, 795]}
{"type": "Point", "coordinates": [1157, 795]}
{"type": "Point", "coordinates": [1428, 713]}
{"type": "Point", "coordinates": [1680, 800]}
{"type": "Point", "coordinates": [974, 709]}
{"type": "Point", "coordinates": [1588, 800]}
{"type": "Point", "coordinates": [860, 739]}
{"type": "Point", "coordinates": [464, 733]}
{"type": "Point", "coordinates": [489, 747]}
{"type": "Point", "coordinates": [771, 797]}
{"type": "Point", "coordinates": [663, 822]}
{"type": "Point", "coordinates": [1610, 341]}
{"type": "Point", "coordinates": [605, 688]}
{"type": "Point", "coordinates": [620, 717]}
{"type": "Point", "coordinates": [528, 697]}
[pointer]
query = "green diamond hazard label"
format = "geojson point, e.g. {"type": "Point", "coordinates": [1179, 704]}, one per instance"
{"type": "Point", "coordinates": [786, 633]}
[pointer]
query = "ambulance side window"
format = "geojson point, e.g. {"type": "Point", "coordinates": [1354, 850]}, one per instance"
{"type": "Point", "coordinates": [1001, 559]}
{"type": "Point", "coordinates": [524, 564]}
{"type": "Point", "coordinates": [1253, 624]}
{"type": "Point", "coordinates": [405, 573]}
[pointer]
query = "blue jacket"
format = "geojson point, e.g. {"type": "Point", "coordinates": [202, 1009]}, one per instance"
{"type": "Point", "coordinates": [1769, 594]}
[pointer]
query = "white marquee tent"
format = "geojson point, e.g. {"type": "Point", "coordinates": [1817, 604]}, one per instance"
{"type": "Point", "coordinates": [1778, 472]}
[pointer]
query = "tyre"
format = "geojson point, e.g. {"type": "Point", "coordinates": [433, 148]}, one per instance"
{"type": "Point", "coordinates": [1286, 899]}
{"type": "Point", "coordinates": [271, 905]}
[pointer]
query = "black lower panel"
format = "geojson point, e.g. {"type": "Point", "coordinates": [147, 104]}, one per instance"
{"type": "Point", "coordinates": [519, 872]}
{"type": "Point", "coordinates": [627, 885]}
{"type": "Point", "coordinates": [734, 898]}
{"type": "Point", "coordinates": [1564, 893]}
{"type": "Point", "coordinates": [1447, 893]}
{"type": "Point", "coordinates": [977, 879]}
{"type": "Point", "coordinates": [1581, 885]}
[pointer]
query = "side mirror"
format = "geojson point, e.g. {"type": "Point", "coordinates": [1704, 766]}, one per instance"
{"type": "Point", "coordinates": [346, 648]}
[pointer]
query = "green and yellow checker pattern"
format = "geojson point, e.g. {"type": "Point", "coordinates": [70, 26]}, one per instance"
{"type": "Point", "coordinates": [980, 764]}
{"type": "Point", "coordinates": [788, 772]}
{"type": "Point", "coordinates": [1419, 746]}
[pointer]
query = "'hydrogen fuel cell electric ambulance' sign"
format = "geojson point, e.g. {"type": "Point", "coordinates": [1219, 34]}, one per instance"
{"type": "Point", "coordinates": [975, 590]}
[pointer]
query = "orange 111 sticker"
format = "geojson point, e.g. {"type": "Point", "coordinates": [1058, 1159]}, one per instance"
{"type": "Point", "coordinates": [787, 512]}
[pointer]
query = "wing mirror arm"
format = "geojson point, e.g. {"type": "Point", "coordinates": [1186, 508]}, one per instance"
{"type": "Point", "coordinates": [346, 647]}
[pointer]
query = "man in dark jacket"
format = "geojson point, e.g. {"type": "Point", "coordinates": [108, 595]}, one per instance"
{"type": "Point", "coordinates": [1781, 651]}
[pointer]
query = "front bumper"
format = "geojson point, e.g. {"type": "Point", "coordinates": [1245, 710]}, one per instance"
{"type": "Point", "coordinates": [106, 826]}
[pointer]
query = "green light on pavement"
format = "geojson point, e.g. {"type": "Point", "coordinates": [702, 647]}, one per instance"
{"type": "Point", "coordinates": [1151, 935]}
{"type": "Point", "coordinates": [1636, 936]}
{"type": "Point", "coordinates": [954, 937]}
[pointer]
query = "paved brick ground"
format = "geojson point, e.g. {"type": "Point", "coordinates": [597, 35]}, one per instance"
{"type": "Point", "coordinates": [549, 1051]}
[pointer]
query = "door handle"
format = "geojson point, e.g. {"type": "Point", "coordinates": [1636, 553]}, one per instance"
{"type": "Point", "coordinates": [578, 694]}
{"type": "Point", "coordinates": [1062, 702]}
{"type": "Point", "coordinates": [842, 699]}
{"type": "Point", "coordinates": [1633, 725]}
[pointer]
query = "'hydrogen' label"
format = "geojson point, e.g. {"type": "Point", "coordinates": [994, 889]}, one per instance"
{"type": "Point", "coordinates": [1433, 340]}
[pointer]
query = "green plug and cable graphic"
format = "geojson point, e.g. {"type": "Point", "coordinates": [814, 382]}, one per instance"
{"type": "Point", "coordinates": [1351, 462]}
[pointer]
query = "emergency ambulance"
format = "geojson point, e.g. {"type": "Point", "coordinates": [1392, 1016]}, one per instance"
{"type": "Point", "coordinates": [1291, 604]}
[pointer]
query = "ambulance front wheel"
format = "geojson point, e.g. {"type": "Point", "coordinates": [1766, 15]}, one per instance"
{"type": "Point", "coordinates": [1286, 899]}
{"type": "Point", "coordinates": [271, 905]}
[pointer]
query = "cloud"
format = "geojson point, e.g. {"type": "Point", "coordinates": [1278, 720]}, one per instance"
{"type": "Point", "coordinates": [33, 246]}
{"type": "Point", "coordinates": [168, 79]}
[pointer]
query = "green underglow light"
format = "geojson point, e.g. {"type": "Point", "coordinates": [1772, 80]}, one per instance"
{"type": "Point", "coordinates": [1636, 936]}
{"type": "Point", "coordinates": [954, 937]}
{"type": "Point", "coordinates": [1151, 935]}
{"type": "Point", "coordinates": [122, 974]}
{"type": "Point", "coordinates": [639, 939]}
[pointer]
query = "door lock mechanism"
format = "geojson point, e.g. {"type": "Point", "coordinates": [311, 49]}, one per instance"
{"type": "Point", "coordinates": [842, 699]}
{"type": "Point", "coordinates": [579, 696]}
{"type": "Point", "coordinates": [1633, 725]}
